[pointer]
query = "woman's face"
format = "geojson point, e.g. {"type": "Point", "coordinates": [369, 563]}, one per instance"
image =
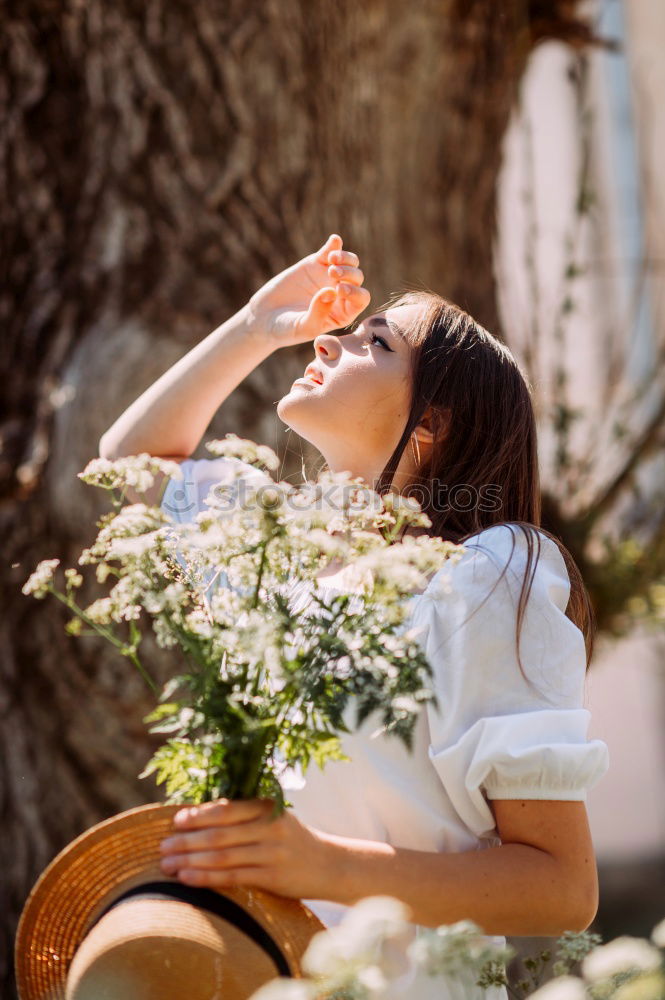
{"type": "Point", "coordinates": [354, 401]}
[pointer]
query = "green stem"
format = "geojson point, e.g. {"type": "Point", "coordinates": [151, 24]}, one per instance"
{"type": "Point", "coordinates": [131, 654]}
{"type": "Point", "coordinates": [122, 647]}
{"type": "Point", "coordinates": [255, 596]}
{"type": "Point", "coordinates": [264, 550]}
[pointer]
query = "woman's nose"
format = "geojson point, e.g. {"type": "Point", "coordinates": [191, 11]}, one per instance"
{"type": "Point", "coordinates": [326, 344]}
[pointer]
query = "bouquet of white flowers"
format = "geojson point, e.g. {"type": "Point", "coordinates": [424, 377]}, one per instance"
{"type": "Point", "coordinates": [260, 688]}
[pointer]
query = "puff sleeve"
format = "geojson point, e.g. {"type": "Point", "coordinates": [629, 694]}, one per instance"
{"type": "Point", "coordinates": [182, 499]}
{"type": "Point", "coordinates": [499, 733]}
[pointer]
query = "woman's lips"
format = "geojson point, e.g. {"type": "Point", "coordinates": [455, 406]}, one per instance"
{"type": "Point", "coordinates": [311, 377]}
{"type": "Point", "coordinates": [305, 381]}
{"type": "Point", "coordinates": [312, 372]}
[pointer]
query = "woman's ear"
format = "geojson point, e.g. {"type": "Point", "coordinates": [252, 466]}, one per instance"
{"type": "Point", "coordinates": [423, 435]}
{"type": "Point", "coordinates": [425, 430]}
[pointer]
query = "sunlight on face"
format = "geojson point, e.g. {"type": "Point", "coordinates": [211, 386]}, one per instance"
{"type": "Point", "coordinates": [355, 401]}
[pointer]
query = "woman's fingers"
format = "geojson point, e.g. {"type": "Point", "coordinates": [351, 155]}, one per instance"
{"type": "Point", "coordinates": [219, 879]}
{"type": "Point", "coordinates": [223, 811]}
{"type": "Point", "coordinates": [334, 242]}
{"type": "Point", "coordinates": [238, 833]}
{"type": "Point", "coordinates": [231, 857]}
{"type": "Point", "coordinates": [332, 308]}
{"type": "Point", "coordinates": [346, 257]}
{"type": "Point", "coordinates": [214, 837]}
{"type": "Point", "coordinates": [353, 298]}
{"type": "Point", "coordinates": [351, 275]}
{"type": "Point", "coordinates": [320, 306]}
{"type": "Point", "coordinates": [332, 253]}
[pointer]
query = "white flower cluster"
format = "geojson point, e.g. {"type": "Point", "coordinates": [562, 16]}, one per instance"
{"type": "Point", "coordinates": [39, 581]}
{"type": "Point", "coordinates": [623, 955]}
{"type": "Point", "coordinates": [137, 471]}
{"type": "Point", "coordinates": [627, 968]}
{"type": "Point", "coordinates": [246, 450]}
{"type": "Point", "coordinates": [375, 953]}
{"type": "Point", "coordinates": [270, 683]}
{"type": "Point", "coordinates": [453, 950]}
{"type": "Point", "coordinates": [405, 567]}
{"type": "Point", "coordinates": [658, 934]}
{"type": "Point", "coordinates": [369, 946]}
{"type": "Point", "coordinates": [562, 988]}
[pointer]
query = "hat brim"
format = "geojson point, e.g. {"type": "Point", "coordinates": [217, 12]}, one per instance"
{"type": "Point", "coordinates": [98, 867]}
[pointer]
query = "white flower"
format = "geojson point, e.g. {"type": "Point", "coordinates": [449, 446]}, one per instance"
{"type": "Point", "coordinates": [406, 703]}
{"type": "Point", "coordinates": [225, 605]}
{"type": "Point", "coordinates": [133, 520]}
{"type": "Point", "coordinates": [122, 604]}
{"type": "Point", "coordinates": [286, 989]}
{"type": "Point", "coordinates": [564, 988]}
{"type": "Point", "coordinates": [100, 611]}
{"type": "Point", "coordinates": [397, 501]}
{"type": "Point", "coordinates": [38, 581]}
{"type": "Point", "coordinates": [374, 932]}
{"type": "Point", "coordinates": [624, 954]}
{"type": "Point", "coordinates": [198, 622]}
{"type": "Point", "coordinates": [164, 636]}
{"type": "Point", "coordinates": [140, 479]}
{"type": "Point", "coordinates": [102, 571]}
{"type": "Point", "coordinates": [373, 979]}
{"type": "Point", "coordinates": [327, 544]}
{"type": "Point", "coordinates": [453, 949]}
{"type": "Point", "coordinates": [244, 449]}
{"type": "Point", "coordinates": [379, 986]}
{"type": "Point", "coordinates": [252, 637]}
{"type": "Point", "coordinates": [134, 548]}
{"type": "Point", "coordinates": [658, 934]}
{"type": "Point", "coordinates": [73, 578]}
{"type": "Point", "coordinates": [133, 470]}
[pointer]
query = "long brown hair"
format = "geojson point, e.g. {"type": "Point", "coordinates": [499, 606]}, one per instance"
{"type": "Point", "coordinates": [484, 441]}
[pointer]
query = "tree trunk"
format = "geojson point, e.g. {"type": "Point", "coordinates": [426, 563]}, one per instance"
{"type": "Point", "coordinates": [160, 161]}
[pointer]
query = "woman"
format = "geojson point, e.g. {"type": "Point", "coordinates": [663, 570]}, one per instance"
{"type": "Point", "coordinates": [485, 820]}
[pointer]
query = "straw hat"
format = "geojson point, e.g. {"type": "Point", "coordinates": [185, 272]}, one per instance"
{"type": "Point", "coordinates": [78, 939]}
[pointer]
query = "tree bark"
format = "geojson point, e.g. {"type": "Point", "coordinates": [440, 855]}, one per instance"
{"type": "Point", "coordinates": [159, 162]}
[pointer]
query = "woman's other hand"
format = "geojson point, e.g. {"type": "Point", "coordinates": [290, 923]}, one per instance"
{"type": "Point", "coordinates": [230, 843]}
{"type": "Point", "coordinates": [322, 292]}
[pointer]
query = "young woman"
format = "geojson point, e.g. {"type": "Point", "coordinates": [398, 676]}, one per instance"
{"type": "Point", "coordinates": [485, 820]}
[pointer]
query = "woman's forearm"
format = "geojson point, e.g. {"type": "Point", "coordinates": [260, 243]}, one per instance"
{"type": "Point", "coordinates": [513, 889]}
{"type": "Point", "coordinates": [171, 416]}
{"type": "Point", "coordinates": [521, 887]}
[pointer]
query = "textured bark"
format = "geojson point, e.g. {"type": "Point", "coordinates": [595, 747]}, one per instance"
{"type": "Point", "coordinates": [159, 161]}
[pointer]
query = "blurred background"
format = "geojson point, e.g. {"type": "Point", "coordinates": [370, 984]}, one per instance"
{"type": "Point", "coordinates": [580, 259]}
{"type": "Point", "coordinates": [160, 161]}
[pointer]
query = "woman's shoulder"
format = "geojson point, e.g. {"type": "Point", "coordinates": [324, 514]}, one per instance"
{"type": "Point", "coordinates": [499, 555]}
{"type": "Point", "coordinates": [470, 610]}
{"type": "Point", "coordinates": [508, 538]}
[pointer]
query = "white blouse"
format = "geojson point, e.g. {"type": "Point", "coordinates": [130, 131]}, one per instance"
{"type": "Point", "coordinates": [499, 733]}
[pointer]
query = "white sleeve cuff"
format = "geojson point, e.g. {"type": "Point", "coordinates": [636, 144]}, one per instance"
{"type": "Point", "coordinates": [532, 755]}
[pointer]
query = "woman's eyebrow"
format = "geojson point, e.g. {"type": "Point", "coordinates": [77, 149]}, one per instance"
{"type": "Point", "coordinates": [383, 322]}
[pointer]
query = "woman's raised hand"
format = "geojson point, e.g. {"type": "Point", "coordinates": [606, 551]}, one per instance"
{"type": "Point", "coordinates": [322, 292]}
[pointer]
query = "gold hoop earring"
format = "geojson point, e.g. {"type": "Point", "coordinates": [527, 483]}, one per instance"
{"type": "Point", "coordinates": [416, 449]}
